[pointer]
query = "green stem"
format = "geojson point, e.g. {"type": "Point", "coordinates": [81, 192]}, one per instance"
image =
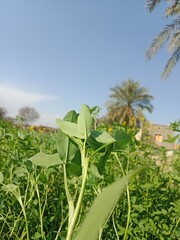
{"type": "Point", "coordinates": [129, 214]}
{"type": "Point", "coordinates": [25, 217]}
{"type": "Point", "coordinates": [128, 195]}
{"type": "Point", "coordinates": [100, 233]}
{"type": "Point", "coordinates": [69, 197]}
{"type": "Point", "coordinates": [115, 229]}
{"type": "Point", "coordinates": [97, 150]}
{"type": "Point", "coordinates": [40, 212]}
{"type": "Point", "coordinates": [119, 162]}
{"type": "Point", "coordinates": [8, 225]}
{"type": "Point", "coordinates": [19, 198]}
{"type": "Point", "coordinates": [63, 220]}
{"type": "Point", "coordinates": [128, 154]}
{"type": "Point", "coordinates": [85, 162]}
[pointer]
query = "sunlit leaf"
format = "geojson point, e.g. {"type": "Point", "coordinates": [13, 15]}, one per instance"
{"type": "Point", "coordinates": [102, 137]}
{"type": "Point", "coordinates": [69, 128]}
{"type": "Point", "coordinates": [67, 149]}
{"type": "Point", "coordinates": [95, 172]}
{"type": "Point", "coordinates": [20, 171]}
{"type": "Point", "coordinates": [9, 187]}
{"type": "Point", "coordinates": [66, 146]}
{"type": "Point", "coordinates": [37, 235]}
{"type": "Point", "coordinates": [102, 207]}
{"type": "Point", "coordinates": [46, 160]}
{"type": "Point", "coordinates": [85, 121]}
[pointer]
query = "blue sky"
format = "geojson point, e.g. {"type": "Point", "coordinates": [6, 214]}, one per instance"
{"type": "Point", "coordinates": [57, 55]}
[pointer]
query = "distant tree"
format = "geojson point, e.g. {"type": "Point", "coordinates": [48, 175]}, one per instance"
{"type": "Point", "coordinates": [3, 112]}
{"type": "Point", "coordinates": [28, 114]}
{"type": "Point", "coordinates": [170, 33]}
{"type": "Point", "coordinates": [128, 102]}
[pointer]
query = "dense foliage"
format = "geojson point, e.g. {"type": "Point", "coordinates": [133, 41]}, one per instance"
{"type": "Point", "coordinates": [127, 103]}
{"type": "Point", "coordinates": [33, 198]}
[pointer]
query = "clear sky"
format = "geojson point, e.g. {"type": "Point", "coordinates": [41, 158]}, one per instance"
{"type": "Point", "coordinates": [56, 55]}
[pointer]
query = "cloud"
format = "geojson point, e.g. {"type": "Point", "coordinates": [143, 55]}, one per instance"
{"type": "Point", "coordinates": [13, 99]}
{"type": "Point", "coordinates": [12, 95]}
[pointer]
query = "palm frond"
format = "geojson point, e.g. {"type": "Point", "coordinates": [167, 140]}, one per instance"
{"type": "Point", "coordinates": [171, 63]}
{"type": "Point", "coordinates": [159, 41]}
{"type": "Point", "coordinates": [173, 43]}
{"type": "Point", "coordinates": [151, 4]}
{"type": "Point", "coordinates": [173, 9]}
{"type": "Point", "coordinates": [146, 105]}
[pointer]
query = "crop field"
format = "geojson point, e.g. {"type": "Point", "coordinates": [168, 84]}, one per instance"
{"type": "Point", "coordinates": [80, 182]}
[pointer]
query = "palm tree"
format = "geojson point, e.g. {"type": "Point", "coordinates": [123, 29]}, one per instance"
{"type": "Point", "coordinates": [128, 102]}
{"type": "Point", "coordinates": [170, 34]}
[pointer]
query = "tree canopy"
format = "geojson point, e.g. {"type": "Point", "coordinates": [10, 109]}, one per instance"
{"type": "Point", "coordinates": [128, 101]}
{"type": "Point", "coordinates": [28, 114]}
{"type": "Point", "coordinates": [3, 112]}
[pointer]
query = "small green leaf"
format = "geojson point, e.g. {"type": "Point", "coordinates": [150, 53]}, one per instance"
{"type": "Point", "coordinates": [102, 207]}
{"type": "Point", "coordinates": [122, 138]}
{"type": "Point", "coordinates": [95, 172]}
{"type": "Point", "coordinates": [71, 116]}
{"type": "Point", "coordinates": [69, 128]}
{"type": "Point", "coordinates": [45, 160]}
{"type": "Point", "coordinates": [74, 169]}
{"type": "Point", "coordinates": [152, 225]}
{"type": "Point", "coordinates": [171, 139]}
{"type": "Point", "coordinates": [146, 185]}
{"type": "Point", "coordinates": [102, 137]}
{"type": "Point", "coordinates": [85, 121]}
{"type": "Point", "coordinates": [1, 177]}
{"type": "Point", "coordinates": [94, 144]}
{"type": "Point", "coordinates": [65, 146]}
{"type": "Point", "coordinates": [104, 158]}
{"type": "Point", "coordinates": [164, 211]}
{"type": "Point", "coordinates": [9, 187]}
{"type": "Point", "coordinates": [20, 171]}
{"type": "Point", "coordinates": [43, 178]}
{"type": "Point", "coordinates": [37, 235]}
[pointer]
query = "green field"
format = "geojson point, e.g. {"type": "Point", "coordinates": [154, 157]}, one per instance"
{"type": "Point", "coordinates": [49, 180]}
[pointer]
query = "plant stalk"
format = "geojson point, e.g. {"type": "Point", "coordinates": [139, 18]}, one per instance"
{"type": "Point", "coordinates": [69, 197]}
{"type": "Point", "coordinates": [85, 162]}
{"type": "Point", "coordinates": [129, 214]}
{"type": "Point", "coordinates": [40, 212]}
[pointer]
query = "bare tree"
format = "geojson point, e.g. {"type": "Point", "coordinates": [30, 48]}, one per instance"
{"type": "Point", "coordinates": [3, 112]}
{"type": "Point", "coordinates": [28, 114]}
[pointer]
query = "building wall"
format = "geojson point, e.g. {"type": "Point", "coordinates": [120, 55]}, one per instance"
{"type": "Point", "coordinates": [158, 133]}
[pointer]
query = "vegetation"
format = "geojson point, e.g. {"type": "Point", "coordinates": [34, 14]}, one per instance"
{"type": "Point", "coordinates": [28, 114]}
{"type": "Point", "coordinates": [129, 100]}
{"type": "Point", "coordinates": [170, 33]}
{"type": "Point", "coordinates": [50, 181]}
{"type": "Point", "coordinates": [3, 112]}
